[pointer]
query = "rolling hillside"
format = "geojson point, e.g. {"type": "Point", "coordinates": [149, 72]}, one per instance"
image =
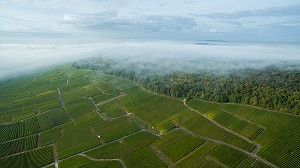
{"type": "Point", "coordinates": [69, 117]}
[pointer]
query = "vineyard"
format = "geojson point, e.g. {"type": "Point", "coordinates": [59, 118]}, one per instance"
{"type": "Point", "coordinates": [68, 117]}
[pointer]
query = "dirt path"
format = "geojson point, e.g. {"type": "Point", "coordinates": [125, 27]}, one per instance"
{"type": "Point", "coordinates": [33, 134]}
{"type": "Point", "coordinates": [24, 151]}
{"type": "Point", "coordinates": [170, 163]}
{"type": "Point", "coordinates": [229, 145]}
{"type": "Point", "coordinates": [35, 115]}
{"type": "Point", "coordinates": [216, 161]}
{"type": "Point", "coordinates": [67, 80]}
{"type": "Point", "coordinates": [103, 116]}
{"type": "Point", "coordinates": [98, 136]}
{"type": "Point", "coordinates": [55, 156]}
{"type": "Point", "coordinates": [162, 156]}
{"type": "Point", "coordinates": [62, 103]}
{"type": "Point", "coordinates": [221, 126]}
{"type": "Point", "coordinates": [109, 100]}
{"type": "Point", "coordinates": [96, 147]}
{"type": "Point", "coordinates": [39, 140]}
{"type": "Point", "coordinates": [147, 127]}
{"type": "Point", "coordinates": [248, 121]}
{"type": "Point", "coordinates": [99, 160]}
{"type": "Point", "coordinates": [190, 153]}
{"type": "Point", "coordinates": [135, 122]}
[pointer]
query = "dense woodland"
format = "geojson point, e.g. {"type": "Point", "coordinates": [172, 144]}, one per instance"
{"type": "Point", "coordinates": [272, 87]}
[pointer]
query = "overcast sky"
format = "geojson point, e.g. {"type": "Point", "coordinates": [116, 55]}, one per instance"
{"type": "Point", "coordinates": [38, 33]}
{"type": "Point", "coordinates": [232, 20]}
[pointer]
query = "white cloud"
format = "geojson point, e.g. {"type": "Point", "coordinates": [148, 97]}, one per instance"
{"type": "Point", "coordinates": [69, 18]}
{"type": "Point", "coordinates": [213, 30]}
{"type": "Point", "coordinates": [139, 19]}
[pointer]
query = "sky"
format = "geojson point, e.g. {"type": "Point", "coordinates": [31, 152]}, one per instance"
{"type": "Point", "coordinates": [41, 33]}
{"type": "Point", "coordinates": [180, 20]}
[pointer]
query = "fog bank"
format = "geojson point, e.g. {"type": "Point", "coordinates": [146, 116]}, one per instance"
{"type": "Point", "coordinates": [24, 58]}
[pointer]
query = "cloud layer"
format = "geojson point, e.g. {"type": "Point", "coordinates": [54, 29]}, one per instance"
{"type": "Point", "coordinates": [268, 20]}
{"type": "Point", "coordinates": [25, 58]}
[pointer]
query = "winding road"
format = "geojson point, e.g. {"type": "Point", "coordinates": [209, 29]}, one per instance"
{"type": "Point", "coordinates": [252, 154]}
{"type": "Point", "coordinates": [228, 130]}
{"type": "Point", "coordinates": [67, 80]}
{"type": "Point", "coordinates": [99, 160]}
{"type": "Point", "coordinates": [103, 116]}
{"type": "Point", "coordinates": [62, 103]}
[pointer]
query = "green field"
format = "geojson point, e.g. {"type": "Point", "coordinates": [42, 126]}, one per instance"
{"type": "Point", "coordinates": [80, 161]}
{"type": "Point", "coordinates": [106, 121]}
{"type": "Point", "coordinates": [177, 144]}
{"type": "Point", "coordinates": [112, 109]}
{"type": "Point", "coordinates": [115, 129]}
{"type": "Point", "coordinates": [283, 134]}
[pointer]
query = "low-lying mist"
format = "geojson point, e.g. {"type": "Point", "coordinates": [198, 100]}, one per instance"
{"type": "Point", "coordinates": [166, 56]}
{"type": "Point", "coordinates": [23, 58]}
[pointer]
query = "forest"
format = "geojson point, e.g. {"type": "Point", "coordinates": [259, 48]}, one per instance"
{"type": "Point", "coordinates": [272, 87]}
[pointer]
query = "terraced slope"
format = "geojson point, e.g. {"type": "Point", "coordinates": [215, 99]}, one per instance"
{"type": "Point", "coordinates": [67, 117]}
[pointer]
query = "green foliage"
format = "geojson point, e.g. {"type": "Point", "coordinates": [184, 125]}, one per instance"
{"type": "Point", "coordinates": [111, 109]}
{"type": "Point", "coordinates": [52, 118]}
{"type": "Point", "coordinates": [218, 114]}
{"type": "Point", "coordinates": [124, 147]}
{"type": "Point", "coordinates": [44, 122]}
{"type": "Point", "coordinates": [21, 115]}
{"type": "Point", "coordinates": [247, 162]}
{"type": "Point", "coordinates": [105, 96]}
{"type": "Point", "coordinates": [258, 164]}
{"type": "Point", "coordinates": [18, 145]}
{"type": "Point", "coordinates": [86, 121]}
{"type": "Point", "coordinates": [33, 118]}
{"type": "Point", "coordinates": [210, 164]}
{"type": "Point", "coordinates": [108, 164]}
{"type": "Point", "coordinates": [197, 157]}
{"type": "Point", "coordinates": [272, 87]}
{"type": "Point", "coordinates": [75, 162]}
{"type": "Point", "coordinates": [81, 88]}
{"type": "Point", "coordinates": [153, 109]}
{"type": "Point", "coordinates": [74, 149]}
{"type": "Point", "coordinates": [80, 161]}
{"type": "Point", "coordinates": [144, 157]}
{"type": "Point", "coordinates": [165, 111]}
{"type": "Point", "coordinates": [57, 117]}
{"type": "Point", "coordinates": [115, 129]}
{"type": "Point", "coordinates": [74, 138]}
{"type": "Point", "coordinates": [50, 136]}
{"type": "Point", "coordinates": [18, 129]}
{"type": "Point", "coordinates": [45, 100]}
{"type": "Point", "coordinates": [106, 151]}
{"type": "Point", "coordinates": [228, 156]}
{"type": "Point", "coordinates": [281, 129]}
{"type": "Point", "coordinates": [79, 108]}
{"type": "Point", "coordinates": [177, 144]}
{"type": "Point", "coordinates": [35, 159]}
{"type": "Point", "coordinates": [198, 124]}
{"type": "Point", "coordinates": [238, 142]}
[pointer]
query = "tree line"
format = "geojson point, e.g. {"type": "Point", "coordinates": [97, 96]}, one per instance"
{"type": "Point", "coordinates": [272, 87]}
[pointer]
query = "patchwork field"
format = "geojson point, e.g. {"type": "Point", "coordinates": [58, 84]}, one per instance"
{"type": "Point", "coordinates": [68, 117]}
